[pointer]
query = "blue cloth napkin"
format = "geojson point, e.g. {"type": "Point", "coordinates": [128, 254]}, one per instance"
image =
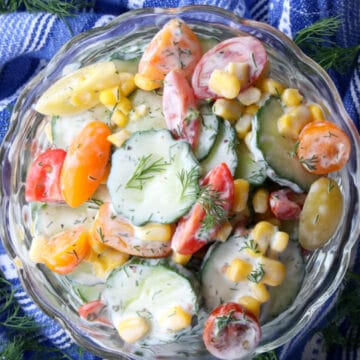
{"type": "Point", "coordinates": [29, 41]}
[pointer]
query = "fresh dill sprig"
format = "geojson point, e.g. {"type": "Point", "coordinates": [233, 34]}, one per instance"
{"type": "Point", "coordinates": [315, 40]}
{"type": "Point", "coordinates": [310, 163]}
{"type": "Point", "coordinates": [270, 355]}
{"type": "Point", "coordinates": [145, 170]}
{"type": "Point", "coordinates": [187, 180]}
{"type": "Point", "coordinates": [251, 245]}
{"type": "Point", "coordinates": [221, 322]}
{"type": "Point", "coordinates": [257, 273]}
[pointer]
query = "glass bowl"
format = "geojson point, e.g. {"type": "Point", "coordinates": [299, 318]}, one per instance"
{"type": "Point", "coordinates": [325, 267]}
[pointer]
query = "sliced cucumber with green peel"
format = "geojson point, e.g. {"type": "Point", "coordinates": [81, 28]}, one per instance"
{"type": "Point", "coordinates": [248, 168]}
{"type": "Point", "coordinates": [153, 178]}
{"type": "Point", "coordinates": [150, 289]}
{"type": "Point", "coordinates": [277, 151]}
{"type": "Point", "coordinates": [223, 150]}
{"type": "Point", "coordinates": [208, 131]}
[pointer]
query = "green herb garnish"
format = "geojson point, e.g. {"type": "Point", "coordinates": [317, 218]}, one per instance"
{"type": "Point", "coordinates": [252, 245]}
{"type": "Point", "coordinates": [257, 274]}
{"type": "Point", "coordinates": [187, 179]}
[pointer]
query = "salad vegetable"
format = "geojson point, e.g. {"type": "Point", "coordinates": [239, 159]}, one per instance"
{"type": "Point", "coordinates": [177, 201]}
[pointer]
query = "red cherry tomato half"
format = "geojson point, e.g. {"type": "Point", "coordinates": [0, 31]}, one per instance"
{"type": "Point", "coordinates": [43, 179]}
{"type": "Point", "coordinates": [92, 310]}
{"type": "Point", "coordinates": [285, 204]}
{"type": "Point", "coordinates": [231, 332]}
{"type": "Point", "coordinates": [244, 49]}
{"type": "Point", "coordinates": [190, 235]}
{"type": "Point", "coordinates": [179, 107]}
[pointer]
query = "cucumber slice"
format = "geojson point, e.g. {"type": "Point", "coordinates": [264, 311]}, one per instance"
{"type": "Point", "coordinates": [65, 128]}
{"type": "Point", "coordinates": [153, 178]}
{"type": "Point", "coordinates": [88, 293]}
{"type": "Point", "coordinates": [277, 151]}
{"type": "Point", "coordinates": [84, 275]}
{"type": "Point", "coordinates": [149, 289]}
{"type": "Point", "coordinates": [248, 168]}
{"type": "Point", "coordinates": [153, 117]}
{"type": "Point", "coordinates": [223, 150]}
{"type": "Point", "coordinates": [282, 296]}
{"type": "Point", "coordinates": [209, 129]}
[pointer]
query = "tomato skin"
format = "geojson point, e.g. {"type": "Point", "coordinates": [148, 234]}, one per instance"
{"type": "Point", "coordinates": [286, 204]}
{"type": "Point", "coordinates": [237, 337]}
{"type": "Point", "coordinates": [43, 179]}
{"type": "Point", "coordinates": [323, 147]}
{"type": "Point", "coordinates": [174, 47]}
{"type": "Point", "coordinates": [85, 163]}
{"type": "Point", "coordinates": [179, 107]}
{"type": "Point", "coordinates": [115, 231]}
{"type": "Point", "coordinates": [245, 49]}
{"type": "Point", "coordinates": [188, 237]}
{"type": "Point", "coordinates": [90, 311]}
{"type": "Point", "coordinates": [65, 251]}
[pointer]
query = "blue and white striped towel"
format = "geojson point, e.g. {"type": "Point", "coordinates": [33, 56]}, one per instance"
{"type": "Point", "coordinates": [28, 41]}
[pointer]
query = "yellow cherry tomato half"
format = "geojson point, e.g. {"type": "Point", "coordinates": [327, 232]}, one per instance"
{"type": "Point", "coordinates": [85, 163]}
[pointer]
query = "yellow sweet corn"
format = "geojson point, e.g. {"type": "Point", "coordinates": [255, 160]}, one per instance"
{"type": "Point", "coordinates": [316, 112]}
{"type": "Point", "coordinates": [291, 97]}
{"type": "Point", "coordinates": [108, 260]}
{"type": "Point", "coordinates": [127, 83]}
{"type": "Point", "coordinates": [119, 137]}
{"type": "Point", "coordinates": [240, 70]}
{"type": "Point", "coordinates": [249, 96]}
{"type": "Point", "coordinates": [251, 109]}
{"type": "Point", "coordinates": [36, 249]}
{"type": "Point", "coordinates": [291, 123]}
{"type": "Point", "coordinates": [251, 304]}
{"type": "Point", "coordinates": [144, 83]}
{"type": "Point", "coordinates": [109, 97]}
{"type": "Point", "coordinates": [224, 232]}
{"type": "Point", "coordinates": [180, 258]}
{"type": "Point", "coordinates": [241, 194]}
{"type": "Point", "coordinates": [259, 291]}
{"type": "Point", "coordinates": [262, 234]}
{"type": "Point", "coordinates": [271, 86]}
{"type": "Point", "coordinates": [175, 319]}
{"type": "Point", "coordinates": [238, 270]}
{"type": "Point", "coordinates": [124, 105]}
{"type": "Point", "coordinates": [132, 329]}
{"type": "Point", "coordinates": [228, 109]}
{"type": "Point", "coordinates": [153, 232]}
{"type": "Point", "coordinates": [279, 241]}
{"type": "Point", "coordinates": [119, 118]}
{"type": "Point", "coordinates": [243, 126]}
{"type": "Point", "coordinates": [224, 84]}
{"type": "Point", "coordinates": [138, 112]}
{"type": "Point", "coordinates": [274, 271]}
{"type": "Point", "coordinates": [260, 201]}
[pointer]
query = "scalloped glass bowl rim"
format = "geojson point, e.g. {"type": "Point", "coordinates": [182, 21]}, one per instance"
{"type": "Point", "coordinates": [315, 303]}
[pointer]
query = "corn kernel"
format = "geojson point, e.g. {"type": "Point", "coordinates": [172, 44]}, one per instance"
{"type": "Point", "coordinates": [175, 319]}
{"type": "Point", "coordinates": [262, 234]}
{"type": "Point", "coordinates": [243, 126]}
{"type": "Point", "coordinates": [224, 232]}
{"type": "Point", "coordinates": [259, 291]}
{"type": "Point", "coordinates": [251, 109]}
{"type": "Point", "coordinates": [124, 105]}
{"type": "Point", "coordinates": [238, 270]}
{"type": "Point", "coordinates": [82, 98]}
{"type": "Point", "coordinates": [291, 97]}
{"type": "Point", "coordinates": [224, 84]}
{"type": "Point", "coordinates": [119, 118]}
{"type": "Point", "coordinates": [241, 194]}
{"type": "Point", "coordinates": [260, 201]}
{"type": "Point", "coordinates": [144, 83]}
{"type": "Point", "coordinates": [227, 109]}
{"type": "Point", "coordinates": [138, 112]}
{"type": "Point", "coordinates": [249, 96]}
{"type": "Point", "coordinates": [248, 139]}
{"type": "Point", "coordinates": [271, 86]}
{"type": "Point", "coordinates": [316, 112]}
{"type": "Point", "coordinates": [119, 137]}
{"type": "Point", "coordinates": [279, 241]}
{"type": "Point", "coordinates": [153, 232]}
{"type": "Point", "coordinates": [133, 329]}
{"type": "Point", "coordinates": [36, 249]}
{"type": "Point", "coordinates": [240, 70]}
{"type": "Point", "coordinates": [250, 304]}
{"type": "Point", "coordinates": [291, 123]}
{"type": "Point", "coordinates": [127, 83]}
{"type": "Point", "coordinates": [109, 97]}
{"type": "Point", "coordinates": [274, 271]}
{"type": "Point", "coordinates": [107, 261]}
{"type": "Point", "coordinates": [180, 258]}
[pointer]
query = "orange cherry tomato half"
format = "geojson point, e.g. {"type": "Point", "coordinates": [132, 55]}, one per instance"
{"type": "Point", "coordinates": [179, 108]}
{"type": "Point", "coordinates": [43, 179]}
{"type": "Point", "coordinates": [243, 49]}
{"type": "Point", "coordinates": [190, 235]}
{"type": "Point", "coordinates": [323, 147]}
{"type": "Point", "coordinates": [85, 163]}
{"type": "Point", "coordinates": [174, 47]}
{"type": "Point", "coordinates": [113, 230]}
{"type": "Point", "coordinates": [65, 251]}
{"type": "Point", "coordinates": [231, 331]}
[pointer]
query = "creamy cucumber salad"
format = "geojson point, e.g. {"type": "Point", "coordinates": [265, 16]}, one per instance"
{"type": "Point", "coordinates": [180, 190]}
